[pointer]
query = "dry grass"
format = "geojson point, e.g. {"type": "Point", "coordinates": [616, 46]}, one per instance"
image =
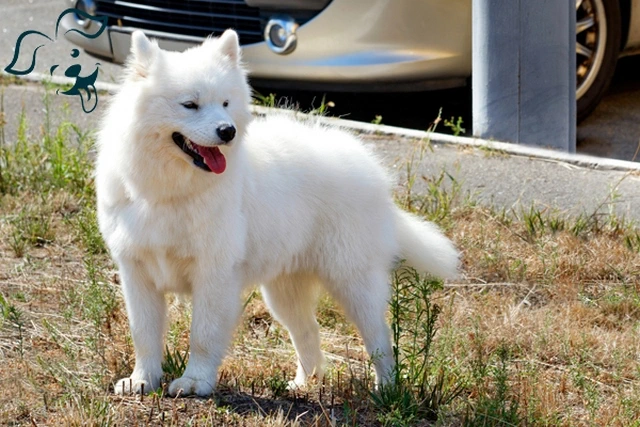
{"type": "Point", "coordinates": [542, 329]}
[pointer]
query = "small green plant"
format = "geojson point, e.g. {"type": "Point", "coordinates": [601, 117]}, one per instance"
{"type": "Point", "coordinates": [580, 225]}
{"type": "Point", "coordinates": [92, 410]}
{"type": "Point", "coordinates": [417, 391]}
{"type": "Point", "coordinates": [265, 101]}
{"type": "Point", "coordinates": [14, 160]}
{"type": "Point", "coordinates": [377, 120]}
{"type": "Point", "coordinates": [87, 226]}
{"type": "Point", "coordinates": [278, 385]}
{"type": "Point", "coordinates": [57, 161]}
{"type": "Point", "coordinates": [556, 223]}
{"type": "Point", "coordinates": [175, 362]}
{"type": "Point", "coordinates": [41, 168]}
{"type": "Point", "coordinates": [496, 406]}
{"type": "Point", "coordinates": [13, 315]}
{"type": "Point", "coordinates": [533, 221]}
{"type": "Point", "coordinates": [455, 125]}
{"type": "Point", "coordinates": [99, 304]}
{"type": "Point", "coordinates": [31, 227]}
{"type": "Point", "coordinates": [417, 156]}
{"type": "Point", "coordinates": [587, 387]}
{"type": "Point", "coordinates": [323, 109]}
{"type": "Point", "coordinates": [99, 299]}
{"type": "Point", "coordinates": [439, 200]}
{"type": "Point", "coordinates": [632, 241]}
{"type": "Point", "coordinates": [69, 167]}
{"type": "Point", "coordinates": [17, 242]}
{"type": "Point", "coordinates": [350, 416]}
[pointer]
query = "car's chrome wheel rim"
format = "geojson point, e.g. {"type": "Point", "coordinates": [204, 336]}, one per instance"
{"type": "Point", "coordinates": [591, 38]}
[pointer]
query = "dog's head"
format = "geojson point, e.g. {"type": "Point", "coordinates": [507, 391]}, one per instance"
{"type": "Point", "coordinates": [194, 104]}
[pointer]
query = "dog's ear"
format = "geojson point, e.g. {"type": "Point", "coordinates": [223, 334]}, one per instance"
{"type": "Point", "coordinates": [229, 45]}
{"type": "Point", "coordinates": [143, 54]}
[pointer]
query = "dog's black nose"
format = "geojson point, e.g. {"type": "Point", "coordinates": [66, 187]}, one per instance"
{"type": "Point", "coordinates": [226, 132]}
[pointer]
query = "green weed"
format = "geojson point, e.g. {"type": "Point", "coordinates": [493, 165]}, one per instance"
{"type": "Point", "coordinates": [99, 305]}
{"type": "Point", "coordinates": [99, 301]}
{"type": "Point", "coordinates": [323, 108]}
{"type": "Point", "coordinates": [533, 221]}
{"type": "Point", "coordinates": [86, 223]}
{"type": "Point", "coordinates": [58, 161]}
{"type": "Point", "coordinates": [632, 241]}
{"type": "Point", "coordinates": [495, 406]}
{"type": "Point", "coordinates": [31, 227]}
{"type": "Point", "coordinates": [455, 125]}
{"type": "Point", "coordinates": [416, 392]}
{"type": "Point", "coordinates": [175, 362]}
{"type": "Point", "coordinates": [14, 317]}
{"type": "Point", "coordinates": [278, 385]}
{"type": "Point", "coordinates": [264, 100]}
{"type": "Point", "coordinates": [92, 410]}
{"type": "Point", "coordinates": [442, 195]}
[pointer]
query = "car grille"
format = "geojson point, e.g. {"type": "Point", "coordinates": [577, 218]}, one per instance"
{"type": "Point", "coordinates": [199, 18]}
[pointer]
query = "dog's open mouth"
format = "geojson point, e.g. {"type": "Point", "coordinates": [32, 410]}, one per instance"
{"type": "Point", "coordinates": [209, 159]}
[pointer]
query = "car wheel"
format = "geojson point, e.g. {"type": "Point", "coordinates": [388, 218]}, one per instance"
{"type": "Point", "coordinates": [598, 40]}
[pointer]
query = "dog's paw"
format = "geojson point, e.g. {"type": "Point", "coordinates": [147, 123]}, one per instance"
{"type": "Point", "coordinates": [186, 386]}
{"type": "Point", "coordinates": [299, 382]}
{"type": "Point", "coordinates": [132, 385]}
{"type": "Point", "coordinates": [294, 385]}
{"type": "Point", "coordinates": [302, 382]}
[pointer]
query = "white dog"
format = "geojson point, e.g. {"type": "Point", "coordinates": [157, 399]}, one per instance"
{"type": "Point", "coordinates": [195, 197]}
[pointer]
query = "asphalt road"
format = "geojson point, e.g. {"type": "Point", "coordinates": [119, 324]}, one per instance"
{"type": "Point", "coordinates": [612, 131]}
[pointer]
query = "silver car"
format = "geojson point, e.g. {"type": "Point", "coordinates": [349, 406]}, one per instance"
{"type": "Point", "coordinates": [351, 45]}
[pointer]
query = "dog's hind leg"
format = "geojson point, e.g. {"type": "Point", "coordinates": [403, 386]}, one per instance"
{"type": "Point", "coordinates": [364, 297]}
{"type": "Point", "coordinates": [292, 301]}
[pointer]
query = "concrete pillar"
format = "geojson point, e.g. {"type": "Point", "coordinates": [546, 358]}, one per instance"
{"type": "Point", "coordinates": [524, 72]}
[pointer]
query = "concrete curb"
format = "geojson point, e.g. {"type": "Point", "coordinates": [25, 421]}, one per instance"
{"type": "Point", "coordinates": [591, 162]}
{"type": "Point", "coordinates": [581, 160]}
{"type": "Point", "coordinates": [59, 80]}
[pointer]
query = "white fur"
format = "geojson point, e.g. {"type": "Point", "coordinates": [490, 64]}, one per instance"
{"type": "Point", "coordinates": [298, 206]}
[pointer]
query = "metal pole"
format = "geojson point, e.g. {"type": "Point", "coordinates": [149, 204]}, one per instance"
{"type": "Point", "coordinates": [524, 72]}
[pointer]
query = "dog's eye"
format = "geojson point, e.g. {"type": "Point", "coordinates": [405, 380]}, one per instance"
{"type": "Point", "coordinates": [190, 105]}
{"type": "Point", "coordinates": [225, 104]}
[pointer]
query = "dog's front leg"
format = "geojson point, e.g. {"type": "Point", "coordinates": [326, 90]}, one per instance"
{"type": "Point", "coordinates": [216, 309]}
{"type": "Point", "coordinates": [146, 308]}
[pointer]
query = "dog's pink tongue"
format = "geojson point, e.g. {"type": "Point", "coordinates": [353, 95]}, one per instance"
{"type": "Point", "coordinates": [213, 158]}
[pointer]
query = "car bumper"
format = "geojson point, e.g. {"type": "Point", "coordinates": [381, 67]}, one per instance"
{"type": "Point", "coordinates": [382, 48]}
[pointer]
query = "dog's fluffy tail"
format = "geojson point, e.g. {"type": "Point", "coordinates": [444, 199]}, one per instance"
{"type": "Point", "coordinates": [424, 247]}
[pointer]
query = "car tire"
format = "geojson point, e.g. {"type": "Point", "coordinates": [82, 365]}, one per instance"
{"type": "Point", "coordinates": [598, 41]}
